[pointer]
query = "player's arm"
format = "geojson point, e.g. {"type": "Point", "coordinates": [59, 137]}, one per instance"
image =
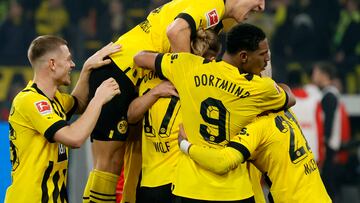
{"type": "Point", "coordinates": [219, 161]}
{"type": "Point", "coordinates": [291, 100]}
{"type": "Point", "coordinates": [147, 59]}
{"type": "Point", "coordinates": [140, 105]}
{"type": "Point", "coordinates": [81, 89]}
{"type": "Point", "coordinates": [75, 134]}
{"type": "Point", "coordinates": [179, 34]}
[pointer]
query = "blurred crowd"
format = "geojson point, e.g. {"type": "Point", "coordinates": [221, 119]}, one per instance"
{"type": "Point", "coordinates": [300, 32]}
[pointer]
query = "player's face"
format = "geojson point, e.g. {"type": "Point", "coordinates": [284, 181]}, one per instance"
{"type": "Point", "coordinates": [63, 66]}
{"type": "Point", "coordinates": [257, 60]}
{"type": "Point", "coordinates": [243, 8]}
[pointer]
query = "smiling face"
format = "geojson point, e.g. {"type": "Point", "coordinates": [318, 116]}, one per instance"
{"type": "Point", "coordinates": [241, 9]}
{"type": "Point", "coordinates": [257, 60]}
{"type": "Point", "coordinates": [63, 64]}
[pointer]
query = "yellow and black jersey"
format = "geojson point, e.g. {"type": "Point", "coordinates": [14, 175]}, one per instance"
{"type": "Point", "coordinates": [159, 137]}
{"type": "Point", "coordinates": [39, 165]}
{"type": "Point", "coordinates": [217, 101]}
{"type": "Point", "coordinates": [151, 33]}
{"type": "Point", "coordinates": [281, 152]}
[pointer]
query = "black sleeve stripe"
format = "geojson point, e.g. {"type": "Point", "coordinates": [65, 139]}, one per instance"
{"type": "Point", "coordinates": [190, 20]}
{"type": "Point", "coordinates": [50, 132]}
{"type": "Point", "coordinates": [73, 109]}
{"type": "Point", "coordinates": [286, 101]}
{"type": "Point", "coordinates": [241, 148]}
{"type": "Point", "coordinates": [158, 70]}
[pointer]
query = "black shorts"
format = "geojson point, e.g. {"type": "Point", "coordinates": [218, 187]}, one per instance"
{"type": "Point", "coordinates": [112, 123]}
{"type": "Point", "coordinates": [161, 194]}
{"type": "Point", "coordinates": [187, 200]}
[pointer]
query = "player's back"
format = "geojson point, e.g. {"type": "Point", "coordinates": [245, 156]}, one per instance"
{"type": "Point", "coordinates": [285, 157]}
{"type": "Point", "coordinates": [151, 33]}
{"type": "Point", "coordinates": [159, 137]}
{"type": "Point", "coordinates": [216, 100]}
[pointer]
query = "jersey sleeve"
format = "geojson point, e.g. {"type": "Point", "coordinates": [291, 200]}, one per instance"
{"type": "Point", "coordinates": [219, 161]}
{"type": "Point", "coordinates": [248, 140]}
{"type": "Point", "coordinates": [272, 96]}
{"type": "Point", "coordinates": [42, 116]}
{"type": "Point", "coordinates": [69, 103]}
{"type": "Point", "coordinates": [174, 67]}
{"type": "Point", "coordinates": [205, 15]}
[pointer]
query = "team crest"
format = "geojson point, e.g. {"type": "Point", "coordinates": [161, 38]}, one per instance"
{"type": "Point", "coordinates": [212, 18]}
{"type": "Point", "coordinates": [43, 107]}
{"type": "Point", "coordinates": [122, 126]}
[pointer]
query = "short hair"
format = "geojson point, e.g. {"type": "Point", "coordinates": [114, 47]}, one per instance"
{"type": "Point", "coordinates": [244, 37]}
{"type": "Point", "coordinates": [327, 68]}
{"type": "Point", "coordinates": [42, 45]}
{"type": "Point", "coordinates": [205, 43]}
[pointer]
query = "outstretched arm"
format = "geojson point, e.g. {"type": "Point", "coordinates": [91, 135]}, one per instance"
{"type": "Point", "coordinates": [81, 89]}
{"type": "Point", "coordinates": [146, 59]}
{"type": "Point", "coordinates": [140, 105]}
{"type": "Point", "coordinates": [219, 161]}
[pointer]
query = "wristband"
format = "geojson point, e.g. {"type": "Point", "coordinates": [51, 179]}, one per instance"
{"type": "Point", "coordinates": [184, 146]}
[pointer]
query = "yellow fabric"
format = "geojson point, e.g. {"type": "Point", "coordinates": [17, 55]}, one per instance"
{"type": "Point", "coordinates": [216, 101]}
{"type": "Point", "coordinates": [86, 195]}
{"type": "Point", "coordinates": [291, 168]}
{"type": "Point", "coordinates": [132, 169]}
{"type": "Point", "coordinates": [39, 167]}
{"type": "Point", "coordinates": [159, 137]}
{"type": "Point", "coordinates": [50, 20]}
{"type": "Point", "coordinates": [255, 178]}
{"type": "Point", "coordinates": [151, 34]}
{"type": "Point", "coordinates": [103, 187]}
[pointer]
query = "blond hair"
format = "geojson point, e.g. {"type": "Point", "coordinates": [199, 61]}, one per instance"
{"type": "Point", "coordinates": [206, 43]}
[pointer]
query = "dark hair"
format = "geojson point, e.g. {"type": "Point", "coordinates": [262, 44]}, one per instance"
{"type": "Point", "coordinates": [206, 43]}
{"type": "Point", "coordinates": [327, 68]}
{"type": "Point", "coordinates": [244, 37]}
{"type": "Point", "coordinates": [43, 44]}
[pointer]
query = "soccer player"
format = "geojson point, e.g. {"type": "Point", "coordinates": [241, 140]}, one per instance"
{"type": "Point", "coordinates": [277, 147]}
{"type": "Point", "coordinates": [217, 99]}
{"type": "Point", "coordinates": [167, 28]}
{"type": "Point", "coordinates": [159, 107]}
{"type": "Point", "coordinates": [39, 131]}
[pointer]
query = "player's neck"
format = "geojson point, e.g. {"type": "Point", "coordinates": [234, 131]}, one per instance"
{"type": "Point", "coordinates": [230, 60]}
{"type": "Point", "coordinates": [46, 85]}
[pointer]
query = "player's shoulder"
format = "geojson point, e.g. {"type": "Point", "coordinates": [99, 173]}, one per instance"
{"type": "Point", "coordinates": [27, 96]}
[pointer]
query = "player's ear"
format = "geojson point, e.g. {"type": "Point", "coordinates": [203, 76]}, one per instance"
{"type": "Point", "coordinates": [243, 56]}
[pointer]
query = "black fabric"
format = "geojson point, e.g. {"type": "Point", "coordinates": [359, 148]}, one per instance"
{"type": "Point", "coordinates": [72, 110]}
{"type": "Point", "coordinates": [114, 112]}
{"type": "Point", "coordinates": [50, 132]}
{"type": "Point", "coordinates": [190, 20]}
{"type": "Point", "coordinates": [329, 105]}
{"type": "Point", "coordinates": [154, 194]}
{"type": "Point", "coordinates": [241, 148]}
{"type": "Point", "coordinates": [158, 70]}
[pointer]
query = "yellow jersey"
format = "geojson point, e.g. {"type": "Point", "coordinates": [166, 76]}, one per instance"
{"type": "Point", "coordinates": [39, 165]}
{"type": "Point", "coordinates": [160, 148]}
{"type": "Point", "coordinates": [151, 33]}
{"type": "Point", "coordinates": [217, 101]}
{"type": "Point", "coordinates": [278, 148]}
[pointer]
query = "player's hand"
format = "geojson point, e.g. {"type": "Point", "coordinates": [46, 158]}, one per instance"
{"type": "Point", "coordinates": [165, 89]}
{"type": "Point", "coordinates": [97, 59]}
{"type": "Point", "coordinates": [184, 145]}
{"type": "Point", "coordinates": [107, 90]}
{"type": "Point", "coordinates": [182, 135]}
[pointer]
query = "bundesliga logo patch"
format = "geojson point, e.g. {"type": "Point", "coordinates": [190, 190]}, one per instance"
{"type": "Point", "coordinates": [212, 18]}
{"type": "Point", "coordinates": [43, 107]}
